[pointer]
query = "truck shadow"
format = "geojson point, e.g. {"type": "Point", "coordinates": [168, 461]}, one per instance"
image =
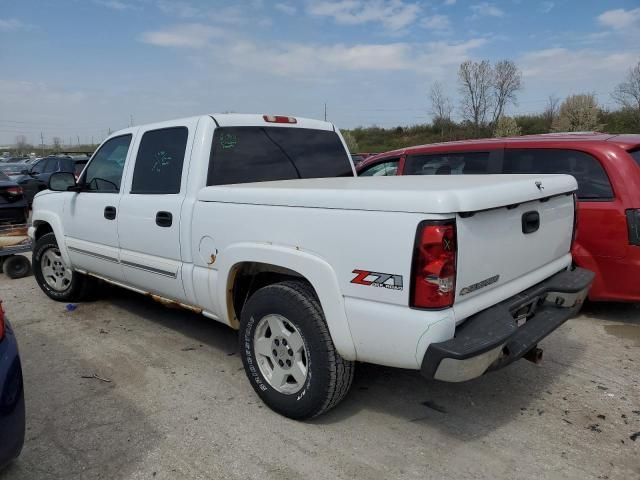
{"type": "Point", "coordinates": [468, 410]}
{"type": "Point", "coordinates": [465, 410]}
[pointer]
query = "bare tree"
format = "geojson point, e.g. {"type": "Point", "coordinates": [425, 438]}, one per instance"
{"type": "Point", "coordinates": [627, 93]}
{"type": "Point", "coordinates": [475, 79]}
{"type": "Point", "coordinates": [21, 144]}
{"type": "Point", "coordinates": [551, 111]}
{"type": "Point", "coordinates": [506, 81]}
{"type": "Point", "coordinates": [57, 141]}
{"type": "Point", "coordinates": [578, 113]}
{"type": "Point", "coordinates": [441, 106]}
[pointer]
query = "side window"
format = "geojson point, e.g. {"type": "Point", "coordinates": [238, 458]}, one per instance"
{"type": "Point", "coordinates": [159, 162]}
{"type": "Point", "coordinates": [104, 172]}
{"type": "Point", "coordinates": [387, 169]}
{"type": "Point", "coordinates": [51, 165]}
{"type": "Point", "coordinates": [39, 167]}
{"type": "Point", "coordinates": [456, 163]}
{"type": "Point", "coordinates": [593, 183]}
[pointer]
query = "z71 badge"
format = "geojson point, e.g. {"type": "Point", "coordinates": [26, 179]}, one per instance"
{"type": "Point", "coordinates": [377, 279]}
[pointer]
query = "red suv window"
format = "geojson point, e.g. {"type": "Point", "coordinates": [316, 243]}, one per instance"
{"type": "Point", "coordinates": [593, 182]}
{"type": "Point", "coordinates": [455, 163]}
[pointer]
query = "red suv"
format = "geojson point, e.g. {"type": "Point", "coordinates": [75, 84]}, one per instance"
{"type": "Point", "coordinates": [607, 168]}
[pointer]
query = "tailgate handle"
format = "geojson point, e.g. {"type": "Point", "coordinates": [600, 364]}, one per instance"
{"type": "Point", "coordinates": [530, 222]}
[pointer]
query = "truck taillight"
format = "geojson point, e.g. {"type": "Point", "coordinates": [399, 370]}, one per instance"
{"type": "Point", "coordinates": [279, 119]}
{"type": "Point", "coordinates": [433, 273]}
{"type": "Point", "coordinates": [633, 223]}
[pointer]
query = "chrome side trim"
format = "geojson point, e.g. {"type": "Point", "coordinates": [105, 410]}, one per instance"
{"type": "Point", "coordinates": [149, 269]}
{"type": "Point", "coordinates": [93, 254]}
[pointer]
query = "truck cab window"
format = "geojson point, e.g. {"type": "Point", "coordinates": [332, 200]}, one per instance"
{"type": "Point", "coordinates": [159, 162]}
{"type": "Point", "coordinates": [104, 172]}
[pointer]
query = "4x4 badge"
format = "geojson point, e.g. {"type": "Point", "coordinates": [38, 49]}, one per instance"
{"type": "Point", "coordinates": [377, 279]}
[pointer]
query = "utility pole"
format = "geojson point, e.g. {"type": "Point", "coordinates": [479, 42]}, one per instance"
{"type": "Point", "coordinates": [42, 142]}
{"type": "Point", "coordinates": [325, 111]}
{"type": "Point", "coordinates": [131, 120]}
{"type": "Point", "coordinates": [78, 136]}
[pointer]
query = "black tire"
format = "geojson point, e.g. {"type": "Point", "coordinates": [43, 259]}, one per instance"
{"type": "Point", "coordinates": [329, 375]}
{"type": "Point", "coordinates": [79, 286]}
{"type": "Point", "coordinates": [16, 266]}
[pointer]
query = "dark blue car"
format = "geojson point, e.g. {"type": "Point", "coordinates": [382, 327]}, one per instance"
{"type": "Point", "coordinates": [11, 395]}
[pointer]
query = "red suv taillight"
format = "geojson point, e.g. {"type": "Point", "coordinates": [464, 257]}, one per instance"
{"type": "Point", "coordinates": [633, 223]}
{"type": "Point", "coordinates": [575, 220]}
{"type": "Point", "coordinates": [1, 322]}
{"type": "Point", "coordinates": [433, 273]}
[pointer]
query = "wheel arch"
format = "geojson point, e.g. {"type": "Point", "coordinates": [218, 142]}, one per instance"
{"type": "Point", "coordinates": [244, 268]}
{"type": "Point", "coordinates": [46, 222]}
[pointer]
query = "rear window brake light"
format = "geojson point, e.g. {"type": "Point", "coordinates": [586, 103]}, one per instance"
{"type": "Point", "coordinates": [279, 119]}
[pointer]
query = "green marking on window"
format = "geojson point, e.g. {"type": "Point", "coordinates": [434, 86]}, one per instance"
{"type": "Point", "coordinates": [228, 140]}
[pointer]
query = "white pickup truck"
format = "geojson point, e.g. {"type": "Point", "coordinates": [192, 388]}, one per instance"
{"type": "Point", "coordinates": [241, 218]}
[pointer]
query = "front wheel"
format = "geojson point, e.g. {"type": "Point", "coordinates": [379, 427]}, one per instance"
{"type": "Point", "coordinates": [54, 277]}
{"type": "Point", "coordinates": [288, 353]}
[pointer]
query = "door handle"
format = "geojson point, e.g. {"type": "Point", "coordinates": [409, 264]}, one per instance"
{"type": "Point", "coordinates": [530, 222]}
{"type": "Point", "coordinates": [110, 213]}
{"type": "Point", "coordinates": [164, 219]}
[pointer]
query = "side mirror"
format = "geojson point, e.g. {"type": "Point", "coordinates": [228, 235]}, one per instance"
{"type": "Point", "coordinates": [62, 182]}
{"type": "Point", "coordinates": [24, 172]}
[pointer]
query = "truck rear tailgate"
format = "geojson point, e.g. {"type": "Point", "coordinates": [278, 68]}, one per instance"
{"type": "Point", "coordinates": [497, 247]}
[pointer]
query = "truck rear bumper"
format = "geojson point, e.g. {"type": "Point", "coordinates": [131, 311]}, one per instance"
{"type": "Point", "coordinates": [509, 330]}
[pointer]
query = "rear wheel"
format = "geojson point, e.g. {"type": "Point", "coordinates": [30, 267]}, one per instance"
{"type": "Point", "coordinates": [288, 353]}
{"type": "Point", "coordinates": [54, 277]}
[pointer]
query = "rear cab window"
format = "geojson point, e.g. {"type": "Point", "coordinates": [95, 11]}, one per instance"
{"type": "Point", "coordinates": [593, 182]}
{"type": "Point", "coordinates": [258, 154]}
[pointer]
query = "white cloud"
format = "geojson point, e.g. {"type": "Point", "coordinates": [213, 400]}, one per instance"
{"type": "Point", "coordinates": [13, 24]}
{"type": "Point", "coordinates": [189, 35]}
{"type": "Point", "coordinates": [558, 69]}
{"type": "Point", "coordinates": [486, 9]}
{"type": "Point", "coordinates": [286, 8]}
{"type": "Point", "coordinates": [115, 4]}
{"type": "Point", "coordinates": [436, 22]}
{"type": "Point", "coordinates": [180, 9]}
{"type": "Point", "coordinates": [620, 19]}
{"type": "Point", "coordinates": [393, 14]}
{"type": "Point", "coordinates": [546, 7]}
{"type": "Point", "coordinates": [449, 2]}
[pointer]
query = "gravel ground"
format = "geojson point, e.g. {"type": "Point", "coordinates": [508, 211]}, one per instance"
{"type": "Point", "coordinates": [177, 404]}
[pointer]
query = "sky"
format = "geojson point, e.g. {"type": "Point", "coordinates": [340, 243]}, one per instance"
{"type": "Point", "coordinates": [79, 68]}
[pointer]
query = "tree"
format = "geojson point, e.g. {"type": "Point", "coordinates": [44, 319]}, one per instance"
{"type": "Point", "coordinates": [506, 127]}
{"type": "Point", "coordinates": [627, 93]}
{"type": "Point", "coordinates": [350, 140]}
{"type": "Point", "coordinates": [551, 111]}
{"type": "Point", "coordinates": [56, 143]}
{"type": "Point", "coordinates": [441, 107]}
{"type": "Point", "coordinates": [578, 113]}
{"type": "Point", "coordinates": [21, 144]}
{"type": "Point", "coordinates": [506, 82]}
{"type": "Point", "coordinates": [475, 81]}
